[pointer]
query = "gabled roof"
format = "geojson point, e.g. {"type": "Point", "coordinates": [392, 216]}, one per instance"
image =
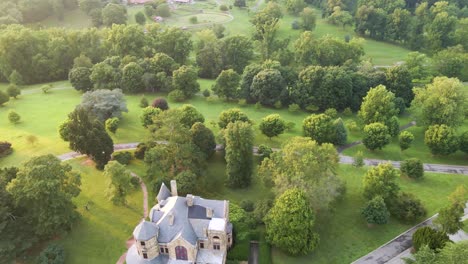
{"type": "Point", "coordinates": [145, 231]}
{"type": "Point", "coordinates": [164, 193]}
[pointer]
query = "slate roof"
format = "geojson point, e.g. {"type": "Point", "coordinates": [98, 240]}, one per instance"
{"type": "Point", "coordinates": [145, 231]}
{"type": "Point", "coordinates": [164, 193]}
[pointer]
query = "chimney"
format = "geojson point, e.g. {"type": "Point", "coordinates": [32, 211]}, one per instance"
{"type": "Point", "coordinates": [171, 218]}
{"type": "Point", "coordinates": [174, 188]}
{"type": "Point", "coordinates": [209, 212]}
{"type": "Point", "coordinates": [189, 200]}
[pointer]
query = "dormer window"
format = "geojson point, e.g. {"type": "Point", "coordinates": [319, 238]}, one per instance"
{"type": "Point", "coordinates": [145, 256]}
{"type": "Point", "coordinates": [142, 243]}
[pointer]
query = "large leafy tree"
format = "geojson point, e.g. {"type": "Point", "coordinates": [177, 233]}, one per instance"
{"type": "Point", "coordinates": [319, 127]}
{"type": "Point", "coordinates": [204, 138]}
{"type": "Point", "coordinates": [209, 60]}
{"type": "Point", "coordinates": [45, 188]}
{"type": "Point", "coordinates": [441, 102]}
{"type": "Point", "coordinates": [231, 116]}
{"type": "Point", "coordinates": [441, 140]}
{"type": "Point", "coordinates": [227, 84]}
{"type": "Point", "coordinates": [185, 80]}
{"type": "Point", "coordinates": [449, 217]}
{"type": "Point", "coordinates": [268, 87]}
{"type": "Point", "coordinates": [376, 136]}
{"type": "Point", "coordinates": [104, 104]}
{"type": "Point", "coordinates": [381, 181]}
{"type": "Point", "coordinates": [399, 82]}
{"type": "Point", "coordinates": [126, 40]}
{"type": "Point", "coordinates": [114, 14]}
{"type": "Point", "coordinates": [189, 115]}
{"type": "Point", "coordinates": [237, 51]}
{"type": "Point", "coordinates": [132, 78]}
{"type": "Point", "coordinates": [87, 135]}
{"type": "Point", "coordinates": [79, 78]}
{"type": "Point", "coordinates": [272, 125]}
{"type": "Point", "coordinates": [304, 164]}
{"type": "Point", "coordinates": [118, 182]}
{"type": "Point", "coordinates": [239, 157]}
{"type": "Point", "coordinates": [290, 223]}
{"type": "Point", "coordinates": [452, 62]}
{"type": "Point", "coordinates": [174, 42]}
{"type": "Point", "coordinates": [377, 106]}
{"type": "Point", "coordinates": [308, 18]}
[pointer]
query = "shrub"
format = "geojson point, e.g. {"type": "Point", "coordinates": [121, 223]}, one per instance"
{"type": "Point", "coordinates": [143, 102]}
{"type": "Point", "coordinates": [407, 208]}
{"type": "Point", "coordinates": [14, 117]}
{"type": "Point", "coordinates": [312, 108]}
{"type": "Point", "coordinates": [140, 151]}
{"type": "Point", "coordinates": [206, 93]}
{"type": "Point", "coordinates": [347, 112]}
{"type": "Point", "coordinates": [376, 211]}
{"type": "Point", "coordinates": [13, 90]}
{"type": "Point", "coordinates": [264, 151]}
{"type": "Point", "coordinates": [441, 139]}
{"type": "Point", "coordinates": [193, 20]}
{"type": "Point", "coordinates": [135, 182]}
{"type": "Point", "coordinates": [405, 139]}
{"type": "Point", "coordinates": [294, 108]}
{"type": "Point", "coordinates": [331, 112]}
{"type": "Point", "coordinates": [295, 25]}
{"type": "Point", "coordinates": [258, 105]}
{"type": "Point", "coordinates": [5, 148]}
{"type": "Point", "coordinates": [351, 125]}
{"type": "Point", "coordinates": [123, 157]}
{"type": "Point", "coordinates": [46, 88]}
{"type": "Point", "coordinates": [358, 159]}
{"type": "Point", "coordinates": [242, 102]}
{"type": "Point", "coordinates": [434, 239]}
{"type": "Point", "coordinates": [247, 205]}
{"type": "Point", "coordinates": [376, 136]}
{"type": "Point", "coordinates": [290, 126]}
{"type": "Point", "coordinates": [261, 209]}
{"type": "Point", "coordinates": [160, 103]}
{"type": "Point", "coordinates": [52, 254]}
{"type": "Point", "coordinates": [223, 8]}
{"type": "Point", "coordinates": [278, 105]}
{"type": "Point", "coordinates": [4, 98]}
{"type": "Point", "coordinates": [112, 124]}
{"type": "Point", "coordinates": [31, 139]}
{"type": "Point", "coordinates": [176, 96]}
{"type": "Point", "coordinates": [412, 168]}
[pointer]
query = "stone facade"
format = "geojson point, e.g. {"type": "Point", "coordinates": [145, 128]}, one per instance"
{"type": "Point", "coordinates": [183, 229]}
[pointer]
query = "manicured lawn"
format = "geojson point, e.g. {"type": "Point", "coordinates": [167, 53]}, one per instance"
{"type": "Point", "coordinates": [101, 233]}
{"type": "Point", "coordinates": [74, 19]}
{"type": "Point", "coordinates": [344, 235]}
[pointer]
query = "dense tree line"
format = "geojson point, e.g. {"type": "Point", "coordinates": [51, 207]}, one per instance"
{"type": "Point", "coordinates": [30, 11]}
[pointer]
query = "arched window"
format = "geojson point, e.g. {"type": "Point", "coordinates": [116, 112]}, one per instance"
{"type": "Point", "coordinates": [216, 243]}
{"type": "Point", "coordinates": [181, 253]}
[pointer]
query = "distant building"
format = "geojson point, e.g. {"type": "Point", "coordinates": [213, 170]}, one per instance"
{"type": "Point", "coordinates": [138, 2]}
{"type": "Point", "coordinates": [182, 230]}
{"type": "Point", "coordinates": [182, 1]}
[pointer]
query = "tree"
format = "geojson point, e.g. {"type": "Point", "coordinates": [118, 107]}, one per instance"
{"type": "Point", "coordinates": [227, 84]}
{"type": "Point", "coordinates": [104, 104]}
{"type": "Point", "coordinates": [87, 135]}
{"type": "Point", "coordinates": [412, 168]}
{"type": "Point", "coordinates": [148, 115]}
{"type": "Point", "coordinates": [399, 25]}
{"type": "Point", "coordinates": [319, 127]}
{"type": "Point", "coordinates": [51, 187]}
{"type": "Point", "coordinates": [464, 142]}
{"type": "Point", "coordinates": [441, 140]}
{"type": "Point", "coordinates": [376, 211]}
{"type": "Point", "coordinates": [16, 78]}
{"type": "Point", "coordinates": [381, 181]}
{"type": "Point", "coordinates": [13, 90]}
{"type": "Point", "coordinates": [237, 51]}
{"type": "Point", "coordinates": [425, 255]}
{"type": "Point", "coordinates": [340, 17]}
{"type": "Point", "coordinates": [131, 78]}
{"type": "Point", "coordinates": [160, 103]}
{"type": "Point", "coordinates": [304, 164]}
{"type": "Point", "coordinates": [239, 158]}
{"type": "Point", "coordinates": [189, 115]}
{"type": "Point", "coordinates": [434, 239]}
{"type": "Point", "coordinates": [210, 60]}
{"type": "Point", "coordinates": [114, 14]}
{"type": "Point", "coordinates": [204, 138]}
{"type": "Point", "coordinates": [451, 62]}
{"type": "Point", "coordinates": [441, 102]}
{"type": "Point", "coordinates": [405, 139]}
{"type": "Point", "coordinates": [185, 80]}
{"type": "Point", "coordinates": [96, 17]}
{"type": "Point", "coordinates": [268, 87]}
{"type": "Point", "coordinates": [52, 254]}
{"type": "Point", "coordinates": [377, 106]}
{"type": "Point", "coordinates": [399, 82]}
{"type": "Point", "coordinates": [440, 32]}
{"type": "Point", "coordinates": [449, 216]}
{"type": "Point", "coordinates": [340, 133]}
{"type": "Point", "coordinates": [163, 10]}
{"type": "Point", "coordinates": [13, 117]}
{"type": "Point", "coordinates": [230, 116]}
{"type": "Point", "coordinates": [407, 208]}
{"type": "Point", "coordinates": [118, 182]}
{"type": "Point", "coordinates": [88, 5]}
{"type": "Point", "coordinates": [272, 125]}
{"type": "Point", "coordinates": [295, 6]}
{"type": "Point", "coordinates": [112, 124]}
{"type": "Point", "coordinates": [239, 3]}
{"type": "Point", "coordinates": [453, 253]}
{"type": "Point", "coordinates": [393, 126]}
{"type": "Point", "coordinates": [376, 136]}
{"type": "Point", "coordinates": [417, 65]}
{"type": "Point", "coordinates": [290, 223]}
{"type": "Point", "coordinates": [186, 182]}
{"type": "Point", "coordinates": [80, 78]}
{"type": "Point", "coordinates": [4, 98]}
{"type": "Point", "coordinates": [140, 18]}
{"type": "Point", "coordinates": [308, 19]}
{"type": "Point", "coordinates": [174, 42]}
